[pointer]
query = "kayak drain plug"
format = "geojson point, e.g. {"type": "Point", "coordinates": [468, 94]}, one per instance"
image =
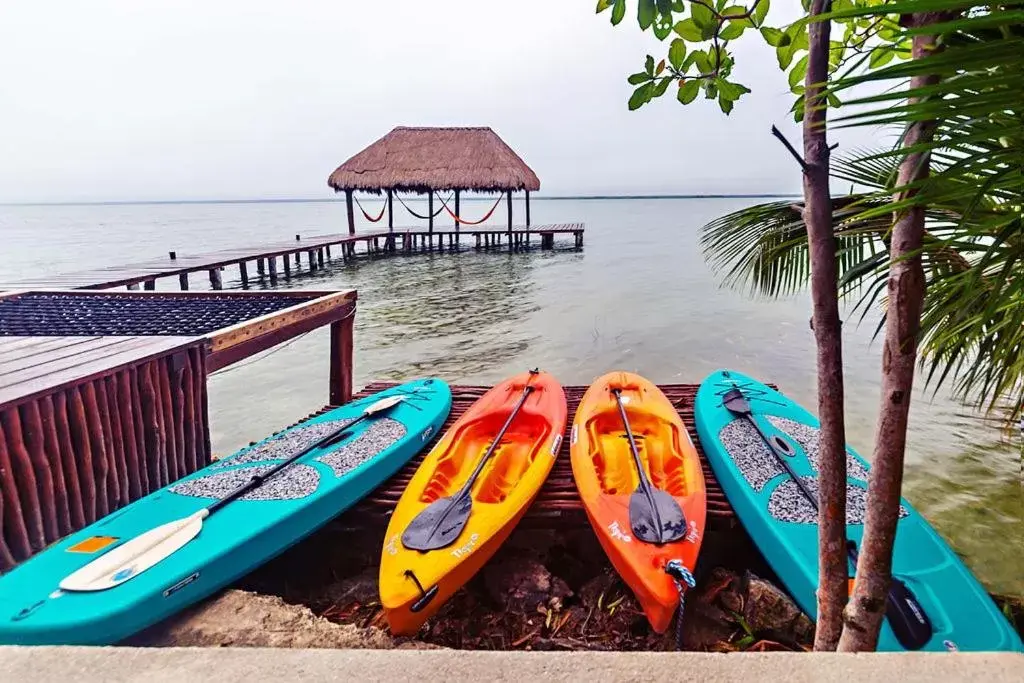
{"type": "Point", "coordinates": [425, 595]}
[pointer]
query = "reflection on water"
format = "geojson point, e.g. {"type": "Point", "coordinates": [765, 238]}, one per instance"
{"type": "Point", "coordinates": [638, 297]}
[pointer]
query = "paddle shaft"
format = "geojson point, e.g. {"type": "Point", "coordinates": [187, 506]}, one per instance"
{"type": "Point", "coordinates": [527, 390]}
{"type": "Point", "coordinates": [257, 480]}
{"type": "Point", "coordinates": [645, 483]}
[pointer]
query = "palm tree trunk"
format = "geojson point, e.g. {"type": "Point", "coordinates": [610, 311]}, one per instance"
{"type": "Point", "coordinates": [906, 290]}
{"type": "Point", "coordinates": [832, 567]}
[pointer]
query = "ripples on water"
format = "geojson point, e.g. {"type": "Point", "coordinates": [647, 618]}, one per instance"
{"type": "Point", "coordinates": [638, 297]}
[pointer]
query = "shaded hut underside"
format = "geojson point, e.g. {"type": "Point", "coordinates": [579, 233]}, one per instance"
{"type": "Point", "coordinates": [436, 159]}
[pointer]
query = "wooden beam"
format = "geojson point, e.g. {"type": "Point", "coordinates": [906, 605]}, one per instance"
{"type": "Point", "coordinates": [391, 213]}
{"type": "Point", "coordinates": [509, 201]}
{"type": "Point", "coordinates": [341, 361]}
{"type": "Point", "coordinates": [183, 281]}
{"type": "Point", "coordinates": [243, 271]}
{"type": "Point", "coordinates": [351, 212]}
{"type": "Point", "coordinates": [430, 212]}
{"type": "Point", "coordinates": [215, 279]}
{"type": "Point", "coordinates": [457, 212]}
{"type": "Point", "coordinates": [527, 214]}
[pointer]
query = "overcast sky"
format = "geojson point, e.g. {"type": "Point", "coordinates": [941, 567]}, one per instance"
{"type": "Point", "coordinates": [176, 99]}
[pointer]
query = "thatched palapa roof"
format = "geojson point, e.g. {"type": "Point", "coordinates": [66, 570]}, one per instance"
{"type": "Point", "coordinates": [428, 159]}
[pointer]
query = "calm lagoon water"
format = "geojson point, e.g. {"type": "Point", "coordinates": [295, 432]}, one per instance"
{"type": "Point", "coordinates": [638, 297]}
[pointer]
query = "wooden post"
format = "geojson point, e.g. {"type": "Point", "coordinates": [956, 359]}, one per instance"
{"type": "Point", "coordinates": [312, 260]}
{"type": "Point", "coordinates": [261, 267]}
{"type": "Point", "coordinates": [149, 285]}
{"type": "Point", "coordinates": [215, 279]}
{"type": "Point", "coordinates": [183, 280]}
{"type": "Point", "coordinates": [173, 255]}
{"type": "Point", "coordinates": [287, 266]}
{"type": "Point", "coordinates": [391, 212]}
{"type": "Point", "coordinates": [243, 271]}
{"type": "Point", "coordinates": [341, 362]}
{"type": "Point", "coordinates": [457, 212]}
{"type": "Point", "coordinates": [272, 267]}
{"type": "Point", "coordinates": [527, 211]}
{"type": "Point", "coordinates": [430, 212]}
{"type": "Point", "coordinates": [509, 201]}
{"type": "Point", "coordinates": [320, 258]}
{"type": "Point", "coordinates": [351, 213]}
{"type": "Point", "coordinates": [328, 249]}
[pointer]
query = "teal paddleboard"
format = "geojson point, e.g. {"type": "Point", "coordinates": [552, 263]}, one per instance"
{"type": "Point", "coordinates": [233, 541]}
{"type": "Point", "coordinates": [783, 523]}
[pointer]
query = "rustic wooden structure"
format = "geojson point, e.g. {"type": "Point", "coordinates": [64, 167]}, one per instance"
{"type": "Point", "coordinates": [289, 255]}
{"type": "Point", "coordinates": [558, 502]}
{"type": "Point", "coordinates": [432, 160]}
{"type": "Point", "coordinates": [90, 421]}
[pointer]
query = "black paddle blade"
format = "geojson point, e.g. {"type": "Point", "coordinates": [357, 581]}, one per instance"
{"type": "Point", "coordinates": [736, 402]}
{"type": "Point", "coordinates": [656, 519]}
{"type": "Point", "coordinates": [439, 524]}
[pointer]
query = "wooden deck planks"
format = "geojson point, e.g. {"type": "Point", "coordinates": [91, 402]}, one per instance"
{"type": "Point", "coordinates": [50, 363]}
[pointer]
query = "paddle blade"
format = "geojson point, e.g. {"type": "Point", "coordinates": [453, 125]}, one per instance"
{"type": "Point", "coordinates": [656, 519]}
{"type": "Point", "coordinates": [383, 404]}
{"type": "Point", "coordinates": [136, 556]}
{"type": "Point", "coordinates": [439, 524]}
{"type": "Point", "coordinates": [735, 402]}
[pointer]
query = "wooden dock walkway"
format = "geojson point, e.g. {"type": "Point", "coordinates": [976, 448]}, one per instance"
{"type": "Point", "coordinates": [284, 259]}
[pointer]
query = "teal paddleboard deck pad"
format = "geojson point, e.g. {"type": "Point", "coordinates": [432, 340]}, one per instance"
{"type": "Point", "coordinates": [236, 539]}
{"type": "Point", "coordinates": [783, 523]}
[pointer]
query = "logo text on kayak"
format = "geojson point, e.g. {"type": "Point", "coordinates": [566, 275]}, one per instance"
{"type": "Point", "coordinates": [467, 548]}
{"type": "Point", "coordinates": [617, 532]}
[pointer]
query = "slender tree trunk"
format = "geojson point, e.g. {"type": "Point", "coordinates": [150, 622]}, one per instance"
{"type": "Point", "coordinates": [832, 566]}
{"type": "Point", "coordinates": [866, 608]}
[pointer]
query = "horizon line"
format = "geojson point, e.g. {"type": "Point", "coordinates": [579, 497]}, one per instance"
{"type": "Point", "coordinates": [300, 200]}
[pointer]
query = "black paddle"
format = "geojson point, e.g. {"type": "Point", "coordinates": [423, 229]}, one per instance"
{"type": "Point", "coordinates": [654, 515]}
{"type": "Point", "coordinates": [441, 522]}
{"type": "Point", "coordinates": [906, 616]}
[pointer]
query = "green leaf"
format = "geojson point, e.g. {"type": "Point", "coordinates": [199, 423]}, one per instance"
{"type": "Point", "coordinates": [725, 104]}
{"type": "Point", "coordinates": [638, 78]}
{"type": "Point", "coordinates": [641, 96]}
{"type": "Point", "coordinates": [649, 65]}
{"type": "Point", "coordinates": [602, 5]}
{"type": "Point", "coordinates": [662, 86]}
{"type": "Point", "coordinates": [645, 13]}
{"type": "Point", "coordinates": [703, 17]}
{"type": "Point", "coordinates": [833, 100]}
{"type": "Point", "coordinates": [772, 36]}
{"type": "Point", "coordinates": [702, 60]}
{"type": "Point", "coordinates": [798, 109]}
{"type": "Point", "coordinates": [731, 91]}
{"type": "Point", "coordinates": [678, 6]}
{"type": "Point", "coordinates": [618, 12]}
{"type": "Point", "coordinates": [665, 6]}
{"type": "Point", "coordinates": [677, 53]}
{"type": "Point", "coordinates": [760, 12]}
{"type": "Point", "coordinates": [688, 91]}
{"type": "Point", "coordinates": [688, 30]}
{"type": "Point", "coordinates": [732, 31]}
{"type": "Point", "coordinates": [710, 90]}
{"type": "Point", "coordinates": [663, 26]}
{"type": "Point", "coordinates": [798, 72]}
{"type": "Point", "coordinates": [880, 56]}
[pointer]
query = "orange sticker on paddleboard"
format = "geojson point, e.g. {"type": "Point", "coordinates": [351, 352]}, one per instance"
{"type": "Point", "coordinates": [93, 544]}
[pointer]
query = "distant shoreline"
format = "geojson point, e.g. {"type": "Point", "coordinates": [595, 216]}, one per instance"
{"type": "Point", "coordinates": [536, 198]}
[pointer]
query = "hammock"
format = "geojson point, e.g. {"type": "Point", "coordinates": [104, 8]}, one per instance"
{"type": "Point", "coordinates": [368, 216]}
{"type": "Point", "coordinates": [423, 218]}
{"type": "Point", "coordinates": [465, 222]}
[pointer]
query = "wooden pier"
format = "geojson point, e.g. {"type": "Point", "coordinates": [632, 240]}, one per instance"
{"type": "Point", "coordinates": [275, 261]}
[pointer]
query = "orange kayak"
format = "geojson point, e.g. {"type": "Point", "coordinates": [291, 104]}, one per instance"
{"type": "Point", "coordinates": [606, 477]}
{"type": "Point", "coordinates": [415, 584]}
